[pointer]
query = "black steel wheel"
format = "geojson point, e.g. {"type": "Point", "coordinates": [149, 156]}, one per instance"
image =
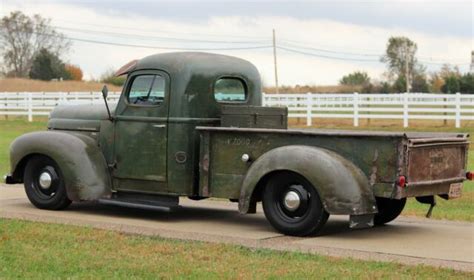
{"type": "Point", "coordinates": [389, 209]}
{"type": "Point", "coordinates": [292, 205]}
{"type": "Point", "coordinates": [44, 184]}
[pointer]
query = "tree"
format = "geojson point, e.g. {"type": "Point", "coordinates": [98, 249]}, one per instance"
{"type": "Point", "coordinates": [109, 77]}
{"type": "Point", "coordinates": [448, 71]}
{"type": "Point", "coordinates": [355, 79]}
{"type": "Point", "coordinates": [47, 66]}
{"type": "Point", "coordinates": [419, 83]}
{"type": "Point", "coordinates": [401, 60]}
{"type": "Point", "coordinates": [451, 84]}
{"type": "Point", "coordinates": [436, 82]}
{"type": "Point", "coordinates": [466, 83]}
{"type": "Point", "coordinates": [23, 37]}
{"type": "Point", "coordinates": [74, 71]}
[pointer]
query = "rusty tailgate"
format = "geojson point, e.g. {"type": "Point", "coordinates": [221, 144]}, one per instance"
{"type": "Point", "coordinates": [433, 161]}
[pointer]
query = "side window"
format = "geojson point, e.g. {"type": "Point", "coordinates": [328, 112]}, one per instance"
{"type": "Point", "coordinates": [147, 90]}
{"type": "Point", "coordinates": [230, 90]}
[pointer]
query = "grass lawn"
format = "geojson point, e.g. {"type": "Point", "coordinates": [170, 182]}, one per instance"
{"type": "Point", "coordinates": [9, 130]}
{"type": "Point", "coordinates": [39, 251]}
{"type": "Point", "coordinates": [457, 209]}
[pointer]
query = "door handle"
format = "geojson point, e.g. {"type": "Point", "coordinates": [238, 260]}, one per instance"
{"type": "Point", "coordinates": [159, 125]}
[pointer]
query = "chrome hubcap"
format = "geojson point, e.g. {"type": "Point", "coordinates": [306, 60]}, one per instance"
{"type": "Point", "coordinates": [45, 180]}
{"type": "Point", "coordinates": [292, 201]}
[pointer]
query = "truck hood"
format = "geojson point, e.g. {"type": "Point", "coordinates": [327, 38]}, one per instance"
{"type": "Point", "coordinates": [84, 117]}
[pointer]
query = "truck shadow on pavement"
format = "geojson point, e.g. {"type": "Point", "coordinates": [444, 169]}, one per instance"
{"type": "Point", "coordinates": [337, 226]}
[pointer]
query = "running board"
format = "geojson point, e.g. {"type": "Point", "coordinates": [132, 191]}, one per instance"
{"type": "Point", "coordinates": [135, 205]}
{"type": "Point", "coordinates": [142, 201]}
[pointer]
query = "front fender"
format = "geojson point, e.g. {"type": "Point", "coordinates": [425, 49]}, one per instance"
{"type": "Point", "coordinates": [81, 162]}
{"type": "Point", "coordinates": [342, 186]}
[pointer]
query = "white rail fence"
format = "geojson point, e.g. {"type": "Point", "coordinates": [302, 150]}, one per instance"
{"type": "Point", "coordinates": [42, 103]}
{"type": "Point", "coordinates": [403, 106]}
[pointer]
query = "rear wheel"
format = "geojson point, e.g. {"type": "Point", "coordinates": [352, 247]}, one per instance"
{"type": "Point", "coordinates": [44, 184]}
{"type": "Point", "coordinates": [389, 209]}
{"type": "Point", "coordinates": [292, 205]}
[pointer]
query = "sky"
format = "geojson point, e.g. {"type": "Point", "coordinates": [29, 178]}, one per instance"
{"type": "Point", "coordinates": [317, 41]}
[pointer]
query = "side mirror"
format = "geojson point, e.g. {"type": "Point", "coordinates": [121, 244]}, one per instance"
{"type": "Point", "coordinates": [105, 91]}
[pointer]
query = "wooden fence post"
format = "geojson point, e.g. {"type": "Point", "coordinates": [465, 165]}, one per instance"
{"type": "Point", "coordinates": [356, 109]}
{"type": "Point", "coordinates": [458, 110]}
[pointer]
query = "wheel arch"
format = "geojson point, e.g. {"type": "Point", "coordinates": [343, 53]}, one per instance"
{"type": "Point", "coordinates": [81, 162]}
{"type": "Point", "coordinates": [342, 186]}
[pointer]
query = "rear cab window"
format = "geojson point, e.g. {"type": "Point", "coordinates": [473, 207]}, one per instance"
{"type": "Point", "coordinates": [147, 89]}
{"type": "Point", "coordinates": [230, 90]}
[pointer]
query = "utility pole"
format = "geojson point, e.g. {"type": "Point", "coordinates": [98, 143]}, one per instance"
{"type": "Point", "coordinates": [275, 62]}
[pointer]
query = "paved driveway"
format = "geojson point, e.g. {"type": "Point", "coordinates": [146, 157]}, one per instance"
{"type": "Point", "coordinates": [407, 240]}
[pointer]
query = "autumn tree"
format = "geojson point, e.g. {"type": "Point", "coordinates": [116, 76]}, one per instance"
{"type": "Point", "coordinates": [23, 37]}
{"type": "Point", "coordinates": [74, 71]}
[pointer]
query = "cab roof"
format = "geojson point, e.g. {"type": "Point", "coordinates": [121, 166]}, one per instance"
{"type": "Point", "coordinates": [191, 63]}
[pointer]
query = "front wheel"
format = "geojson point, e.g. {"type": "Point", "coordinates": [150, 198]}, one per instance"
{"type": "Point", "coordinates": [44, 184]}
{"type": "Point", "coordinates": [389, 209]}
{"type": "Point", "coordinates": [292, 205]}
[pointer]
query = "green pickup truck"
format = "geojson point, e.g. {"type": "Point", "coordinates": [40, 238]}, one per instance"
{"type": "Point", "coordinates": [191, 124]}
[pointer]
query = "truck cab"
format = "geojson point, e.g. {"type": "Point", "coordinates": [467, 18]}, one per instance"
{"type": "Point", "coordinates": [165, 97]}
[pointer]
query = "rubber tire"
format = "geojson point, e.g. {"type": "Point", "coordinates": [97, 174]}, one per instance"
{"type": "Point", "coordinates": [59, 200]}
{"type": "Point", "coordinates": [315, 217]}
{"type": "Point", "coordinates": [389, 209]}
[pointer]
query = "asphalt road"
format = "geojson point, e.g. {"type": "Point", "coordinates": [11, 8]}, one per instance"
{"type": "Point", "coordinates": [407, 240]}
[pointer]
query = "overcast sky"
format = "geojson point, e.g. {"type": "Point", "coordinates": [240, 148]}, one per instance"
{"type": "Point", "coordinates": [319, 40]}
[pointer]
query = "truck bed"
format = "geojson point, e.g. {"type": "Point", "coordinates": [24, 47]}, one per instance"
{"type": "Point", "coordinates": [431, 162]}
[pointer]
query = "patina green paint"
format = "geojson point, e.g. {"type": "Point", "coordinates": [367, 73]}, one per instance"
{"type": "Point", "coordinates": [82, 163]}
{"type": "Point", "coordinates": [160, 150]}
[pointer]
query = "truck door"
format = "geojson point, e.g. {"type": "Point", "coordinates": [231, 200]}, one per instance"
{"type": "Point", "coordinates": [141, 132]}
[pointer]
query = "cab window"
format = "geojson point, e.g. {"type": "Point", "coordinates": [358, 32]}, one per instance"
{"type": "Point", "coordinates": [147, 90]}
{"type": "Point", "coordinates": [230, 90]}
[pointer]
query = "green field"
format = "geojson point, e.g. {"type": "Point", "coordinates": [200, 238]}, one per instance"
{"type": "Point", "coordinates": [47, 251]}
{"type": "Point", "coordinates": [458, 209]}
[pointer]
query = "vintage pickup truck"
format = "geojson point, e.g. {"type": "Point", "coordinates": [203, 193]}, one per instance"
{"type": "Point", "coordinates": [192, 125]}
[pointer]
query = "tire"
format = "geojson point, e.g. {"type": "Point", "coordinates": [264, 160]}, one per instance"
{"type": "Point", "coordinates": [50, 196]}
{"type": "Point", "coordinates": [389, 209]}
{"type": "Point", "coordinates": [307, 218]}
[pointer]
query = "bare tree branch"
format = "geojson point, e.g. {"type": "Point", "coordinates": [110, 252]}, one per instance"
{"type": "Point", "coordinates": [23, 37]}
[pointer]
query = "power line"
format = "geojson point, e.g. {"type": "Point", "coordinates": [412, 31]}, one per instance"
{"type": "Point", "coordinates": [427, 60]}
{"type": "Point", "coordinates": [296, 49]}
{"type": "Point", "coordinates": [147, 37]}
{"type": "Point", "coordinates": [328, 51]}
{"type": "Point", "coordinates": [160, 47]}
{"type": "Point", "coordinates": [327, 56]}
{"type": "Point", "coordinates": [166, 47]}
{"type": "Point", "coordinates": [157, 30]}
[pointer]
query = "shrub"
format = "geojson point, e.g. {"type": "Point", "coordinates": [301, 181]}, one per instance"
{"type": "Point", "coordinates": [109, 78]}
{"type": "Point", "coordinates": [74, 72]}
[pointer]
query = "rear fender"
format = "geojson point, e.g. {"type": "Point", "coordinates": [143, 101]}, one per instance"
{"type": "Point", "coordinates": [342, 186]}
{"type": "Point", "coordinates": [82, 163]}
